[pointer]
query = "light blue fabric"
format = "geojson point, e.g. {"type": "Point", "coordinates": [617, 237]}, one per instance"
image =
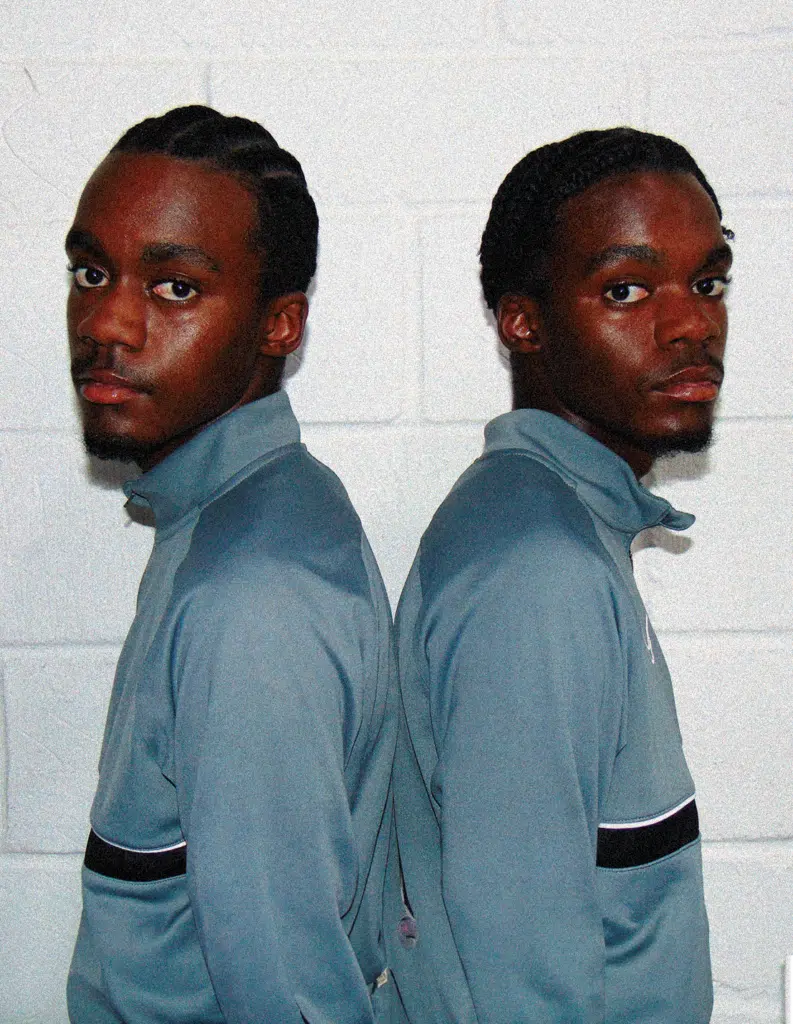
{"type": "Point", "coordinates": [537, 706]}
{"type": "Point", "coordinates": [253, 715]}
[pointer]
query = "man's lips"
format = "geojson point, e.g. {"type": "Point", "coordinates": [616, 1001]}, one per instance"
{"type": "Point", "coordinates": [692, 384]}
{"type": "Point", "coordinates": [103, 387]}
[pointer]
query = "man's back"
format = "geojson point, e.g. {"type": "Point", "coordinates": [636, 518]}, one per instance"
{"type": "Point", "coordinates": [538, 709]}
{"type": "Point", "coordinates": [250, 720]}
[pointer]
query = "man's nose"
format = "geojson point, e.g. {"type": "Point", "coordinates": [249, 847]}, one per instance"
{"type": "Point", "coordinates": [116, 316]}
{"type": "Point", "coordinates": [689, 318]}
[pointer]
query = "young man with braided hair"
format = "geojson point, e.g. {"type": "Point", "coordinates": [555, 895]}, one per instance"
{"type": "Point", "coordinates": [545, 816]}
{"type": "Point", "coordinates": [235, 864]}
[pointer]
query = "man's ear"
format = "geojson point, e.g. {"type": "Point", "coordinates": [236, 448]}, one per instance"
{"type": "Point", "coordinates": [283, 324]}
{"type": "Point", "coordinates": [518, 318]}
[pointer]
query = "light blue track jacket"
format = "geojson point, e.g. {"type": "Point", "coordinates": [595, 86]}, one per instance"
{"type": "Point", "coordinates": [250, 716]}
{"type": "Point", "coordinates": [544, 810]}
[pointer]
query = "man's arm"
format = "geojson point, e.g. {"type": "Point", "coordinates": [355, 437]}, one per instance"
{"type": "Point", "coordinates": [266, 677]}
{"type": "Point", "coordinates": [526, 688]}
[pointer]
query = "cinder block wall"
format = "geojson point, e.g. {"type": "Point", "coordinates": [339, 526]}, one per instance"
{"type": "Point", "coordinates": [405, 119]}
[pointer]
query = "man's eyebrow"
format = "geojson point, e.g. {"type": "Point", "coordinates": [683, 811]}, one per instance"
{"type": "Point", "coordinates": [717, 257]}
{"type": "Point", "coordinates": [613, 253]}
{"type": "Point", "coordinates": [164, 252]}
{"type": "Point", "coordinates": [76, 238]}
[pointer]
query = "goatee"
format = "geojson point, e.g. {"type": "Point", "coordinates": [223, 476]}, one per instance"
{"type": "Point", "coordinates": [665, 447]}
{"type": "Point", "coordinates": [119, 449]}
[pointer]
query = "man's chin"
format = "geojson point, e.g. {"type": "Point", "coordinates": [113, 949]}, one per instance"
{"type": "Point", "coordinates": [118, 449]}
{"type": "Point", "coordinates": [664, 447]}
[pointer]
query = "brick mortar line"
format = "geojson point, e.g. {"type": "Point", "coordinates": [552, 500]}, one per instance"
{"type": "Point", "coordinates": [741, 847]}
{"type": "Point", "coordinates": [491, 51]}
{"type": "Point", "coordinates": [500, 48]}
{"type": "Point", "coordinates": [491, 48]}
{"type": "Point", "coordinates": [772, 199]}
{"type": "Point", "coordinates": [22, 860]}
{"type": "Point", "coordinates": [704, 631]}
{"type": "Point", "coordinates": [355, 425]}
{"type": "Point", "coordinates": [4, 761]}
{"type": "Point", "coordinates": [114, 647]}
{"type": "Point", "coordinates": [403, 422]}
{"type": "Point", "coordinates": [61, 645]}
{"type": "Point", "coordinates": [391, 423]}
{"type": "Point", "coordinates": [399, 424]}
{"type": "Point", "coordinates": [746, 847]}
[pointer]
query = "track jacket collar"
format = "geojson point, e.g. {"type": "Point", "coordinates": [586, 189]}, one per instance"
{"type": "Point", "coordinates": [230, 447]}
{"type": "Point", "coordinates": [600, 477]}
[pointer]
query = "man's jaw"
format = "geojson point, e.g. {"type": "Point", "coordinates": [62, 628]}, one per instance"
{"type": "Point", "coordinates": [690, 441]}
{"type": "Point", "coordinates": [119, 449]}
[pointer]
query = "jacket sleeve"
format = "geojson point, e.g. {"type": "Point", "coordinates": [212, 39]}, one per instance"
{"type": "Point", "coordinates": [265, 680]}
{"type": "Point", "coordinates": [526, 684]}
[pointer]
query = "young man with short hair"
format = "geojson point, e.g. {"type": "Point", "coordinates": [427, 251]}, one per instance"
{"type": "Point", "coordinates": [545, 814]}
{"type": "Point", "coordinates": [234, 868]}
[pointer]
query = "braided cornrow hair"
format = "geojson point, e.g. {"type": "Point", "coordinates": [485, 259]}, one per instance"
{"type": "Point", "coordinates": [517, 238]}
{"type": "Point", "coordinates": [288, 224]}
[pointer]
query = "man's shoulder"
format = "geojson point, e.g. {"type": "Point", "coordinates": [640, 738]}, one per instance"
{"type": "Point", "coordinates": [292, 497]}
{"type": "Point", "coordinates": [510, 505]}
{"type": "Point", "coordinates": [291, 512]}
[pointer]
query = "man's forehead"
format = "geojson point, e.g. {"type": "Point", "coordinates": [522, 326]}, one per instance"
{"type": "Point", "coordinates": [614, 253]}
{"type": "Point", "coordinates": [167, 205]}
{"type": "Point", "coordinates": [127, 180]}
{"type": "Point", "coordinates": [636, 215]}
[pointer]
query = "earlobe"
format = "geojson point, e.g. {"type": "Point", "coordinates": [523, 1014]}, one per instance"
{"type": "Point", "coordinates": [283, 324]}
{"type": "Point", "coordinates": [518, 319]}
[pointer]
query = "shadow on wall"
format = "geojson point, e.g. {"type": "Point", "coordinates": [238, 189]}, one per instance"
{"type": "Point", "coordinates": [295, 360]}
{"type": "Point", "coordinates": [111, 476]}
{"type": "Point", "coordinates": [490, 324]}
{"type": "Point", "coordinates": [685, 466]}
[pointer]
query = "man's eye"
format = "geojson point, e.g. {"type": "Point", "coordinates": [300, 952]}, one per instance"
{"type": "Point", "coordinates": [88, 277]}
{"type": "Point", "coordinates": [174, 291]}
{"type": "Point", "coordinates": [626, 293]}
{"type": "Point", "coordinates": [714, 287]}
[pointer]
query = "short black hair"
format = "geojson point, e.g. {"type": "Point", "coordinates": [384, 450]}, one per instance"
{"type": "Point", "coordinates": [517, 239]}
{"type": "Point", "coordinates": [287, 217]}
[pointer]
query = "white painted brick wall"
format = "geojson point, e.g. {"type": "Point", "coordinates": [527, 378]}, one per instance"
{"type": "Point", "coordinates": [745, 785]}
{"type": "Point", "coordinates": [737, 572]}
{"type": "Point", "coordinates": [70, 557]}
{"type": "Point", "coordinates": [617, 22]}
{"type": "Point", "coordinates": [733, 108]}
{"type": "Point", "coordinates": [465, 370]}
{"type": "Point", "coordinates": [405, 121]}
{"type": "Point", "coordinates": [55, 704]}
{"type": "Point", "coordinates": [39, 914]}
{"type": "Point", "coordinates": [359, 317]}
{"type": "Point", "coordinates": [759, 360]}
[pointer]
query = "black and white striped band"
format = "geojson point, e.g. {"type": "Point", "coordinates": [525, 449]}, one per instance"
{"type": "Point", "coordinates": [134, 865]}
{"type": "Point", "coordinates": [628, 846]}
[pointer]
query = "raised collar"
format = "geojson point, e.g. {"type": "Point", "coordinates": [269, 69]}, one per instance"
{"type": "Point", "coordinates": [228, 448]}
{"type": "Point", "coordinates": [603, 480]}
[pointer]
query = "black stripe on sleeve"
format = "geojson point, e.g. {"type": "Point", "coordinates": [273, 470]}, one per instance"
{"type": "Point", "coordinates": [630, 847]}
{"type": "Point", "coordinates": [133, 865]}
